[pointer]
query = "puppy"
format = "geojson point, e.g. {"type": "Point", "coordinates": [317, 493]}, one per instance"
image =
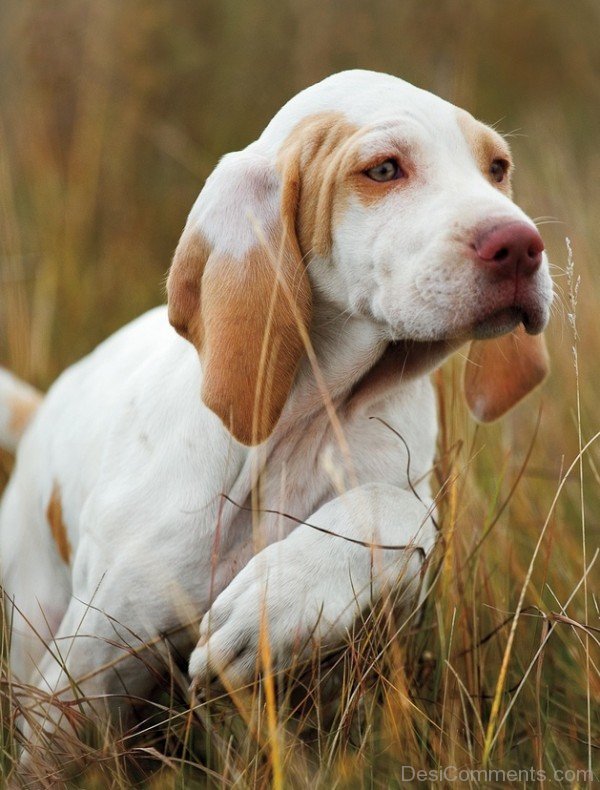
{"type": "Point", "coordinates": [323, 273]}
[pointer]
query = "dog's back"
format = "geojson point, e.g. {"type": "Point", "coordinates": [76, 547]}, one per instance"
{"type": "Point", "coordinates": [58, 459]}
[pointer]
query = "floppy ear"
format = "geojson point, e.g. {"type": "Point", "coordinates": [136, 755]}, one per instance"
{"type": "Point", "coordinates": [500, 372]}
{"type": "Point", "coordinates": [239, 292]}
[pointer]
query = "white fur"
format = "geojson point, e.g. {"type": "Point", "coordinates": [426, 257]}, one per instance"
{"type": "Point", "coordinates": [141, 463]}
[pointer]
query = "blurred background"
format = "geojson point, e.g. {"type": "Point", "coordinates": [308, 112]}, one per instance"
{"type": "Point", "coordinates": [113, 113]}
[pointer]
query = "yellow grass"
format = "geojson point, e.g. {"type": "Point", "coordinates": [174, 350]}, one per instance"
{"type": "Point", "coordinates": [112, 115]}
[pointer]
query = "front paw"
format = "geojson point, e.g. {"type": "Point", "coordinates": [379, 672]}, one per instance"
{"type": "Point", "coordinates": [277, 606]}
{"type": "Point", "coordinates": [311, 587]}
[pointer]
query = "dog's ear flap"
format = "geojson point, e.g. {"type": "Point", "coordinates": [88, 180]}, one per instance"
{"type": "Point", "coordinates": [500, 372]}
{"type": "Point", "coordinates": [238, 290]}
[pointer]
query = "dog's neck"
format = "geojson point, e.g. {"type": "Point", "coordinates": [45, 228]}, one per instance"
{"type": "Point", "coordinates": [352, 358]}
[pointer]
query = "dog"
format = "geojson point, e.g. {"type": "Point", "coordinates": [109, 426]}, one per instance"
{"type": "Point", "coordinates": [226, 459]}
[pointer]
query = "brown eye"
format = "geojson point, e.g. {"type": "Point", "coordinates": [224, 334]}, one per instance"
{"type": "Point", "coordinates": [498, 170]}
{"type": "Point", "coordinates": [389, 170]}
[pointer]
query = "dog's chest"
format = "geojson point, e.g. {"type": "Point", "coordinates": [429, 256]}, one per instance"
{"type": "Point", "coordinates": [388, 441]}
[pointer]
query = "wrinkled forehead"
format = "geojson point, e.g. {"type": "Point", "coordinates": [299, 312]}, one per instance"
{"type": "Point", "coordinates": [384, 104]}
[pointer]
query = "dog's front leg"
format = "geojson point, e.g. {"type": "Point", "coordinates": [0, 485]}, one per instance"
{"type": "Point", "coordinates": [309, 588]}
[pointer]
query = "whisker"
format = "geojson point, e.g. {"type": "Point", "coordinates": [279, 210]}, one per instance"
{"type": "Point", "coordinates": [515, 133]}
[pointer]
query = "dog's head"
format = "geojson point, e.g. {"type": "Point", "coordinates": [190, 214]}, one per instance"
{"type": "Point", "coordinates": [402, 204]}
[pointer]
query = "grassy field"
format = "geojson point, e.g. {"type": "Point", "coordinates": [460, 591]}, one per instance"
{"type": "Point", "coordinates": [113, 113]}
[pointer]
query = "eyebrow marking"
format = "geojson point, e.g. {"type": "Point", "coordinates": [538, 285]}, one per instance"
{"type": "Point", "coordinates": [485, 144]}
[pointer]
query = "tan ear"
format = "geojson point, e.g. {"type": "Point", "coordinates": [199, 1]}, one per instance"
{"type": "Point", "coordinates": [238, 290]}
{"type": "Point", "coordinates": [500, 372]}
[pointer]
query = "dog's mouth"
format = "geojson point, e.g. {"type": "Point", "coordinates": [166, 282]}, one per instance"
{"type": "Point", "coordinates": [502, 321]}
{"type": "Point", "coordinates": [499, 323]}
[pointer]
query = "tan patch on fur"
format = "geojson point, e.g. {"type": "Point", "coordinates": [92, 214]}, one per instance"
{"type": "Point", "coordinates": [486, 145]}
{"type": "Point", "coordinates": [500, 372]}
{"type": "Point", "coordinates": [57, 526]}
{"type": "Point", "coordinates": [248, 320]}
{"type": "Point", "coordinates": [253, 339]}
{"type": "Point", "coordinates": [316, 156]}
{"type": "Point", "coordinates": [22, 410]}
{"type": "Point", "coordinates": [183, 285]}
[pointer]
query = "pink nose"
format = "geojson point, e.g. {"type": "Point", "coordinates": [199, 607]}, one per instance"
{"type": "Point", "coordinates": [510, 248]}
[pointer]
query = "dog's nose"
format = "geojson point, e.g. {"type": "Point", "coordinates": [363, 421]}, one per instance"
{"type": "Point", "coordinates": [510, 248]}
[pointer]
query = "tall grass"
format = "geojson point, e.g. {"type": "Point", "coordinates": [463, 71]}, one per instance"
{"type": "Point", "coordinates": [112, 115]}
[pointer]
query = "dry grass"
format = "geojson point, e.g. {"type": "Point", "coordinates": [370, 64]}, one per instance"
{"type": "Point", "coordinates": [112, 116]}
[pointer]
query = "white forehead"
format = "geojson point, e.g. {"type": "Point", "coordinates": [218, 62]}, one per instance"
{"type": "Point", "coordinates": [364, 98]}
